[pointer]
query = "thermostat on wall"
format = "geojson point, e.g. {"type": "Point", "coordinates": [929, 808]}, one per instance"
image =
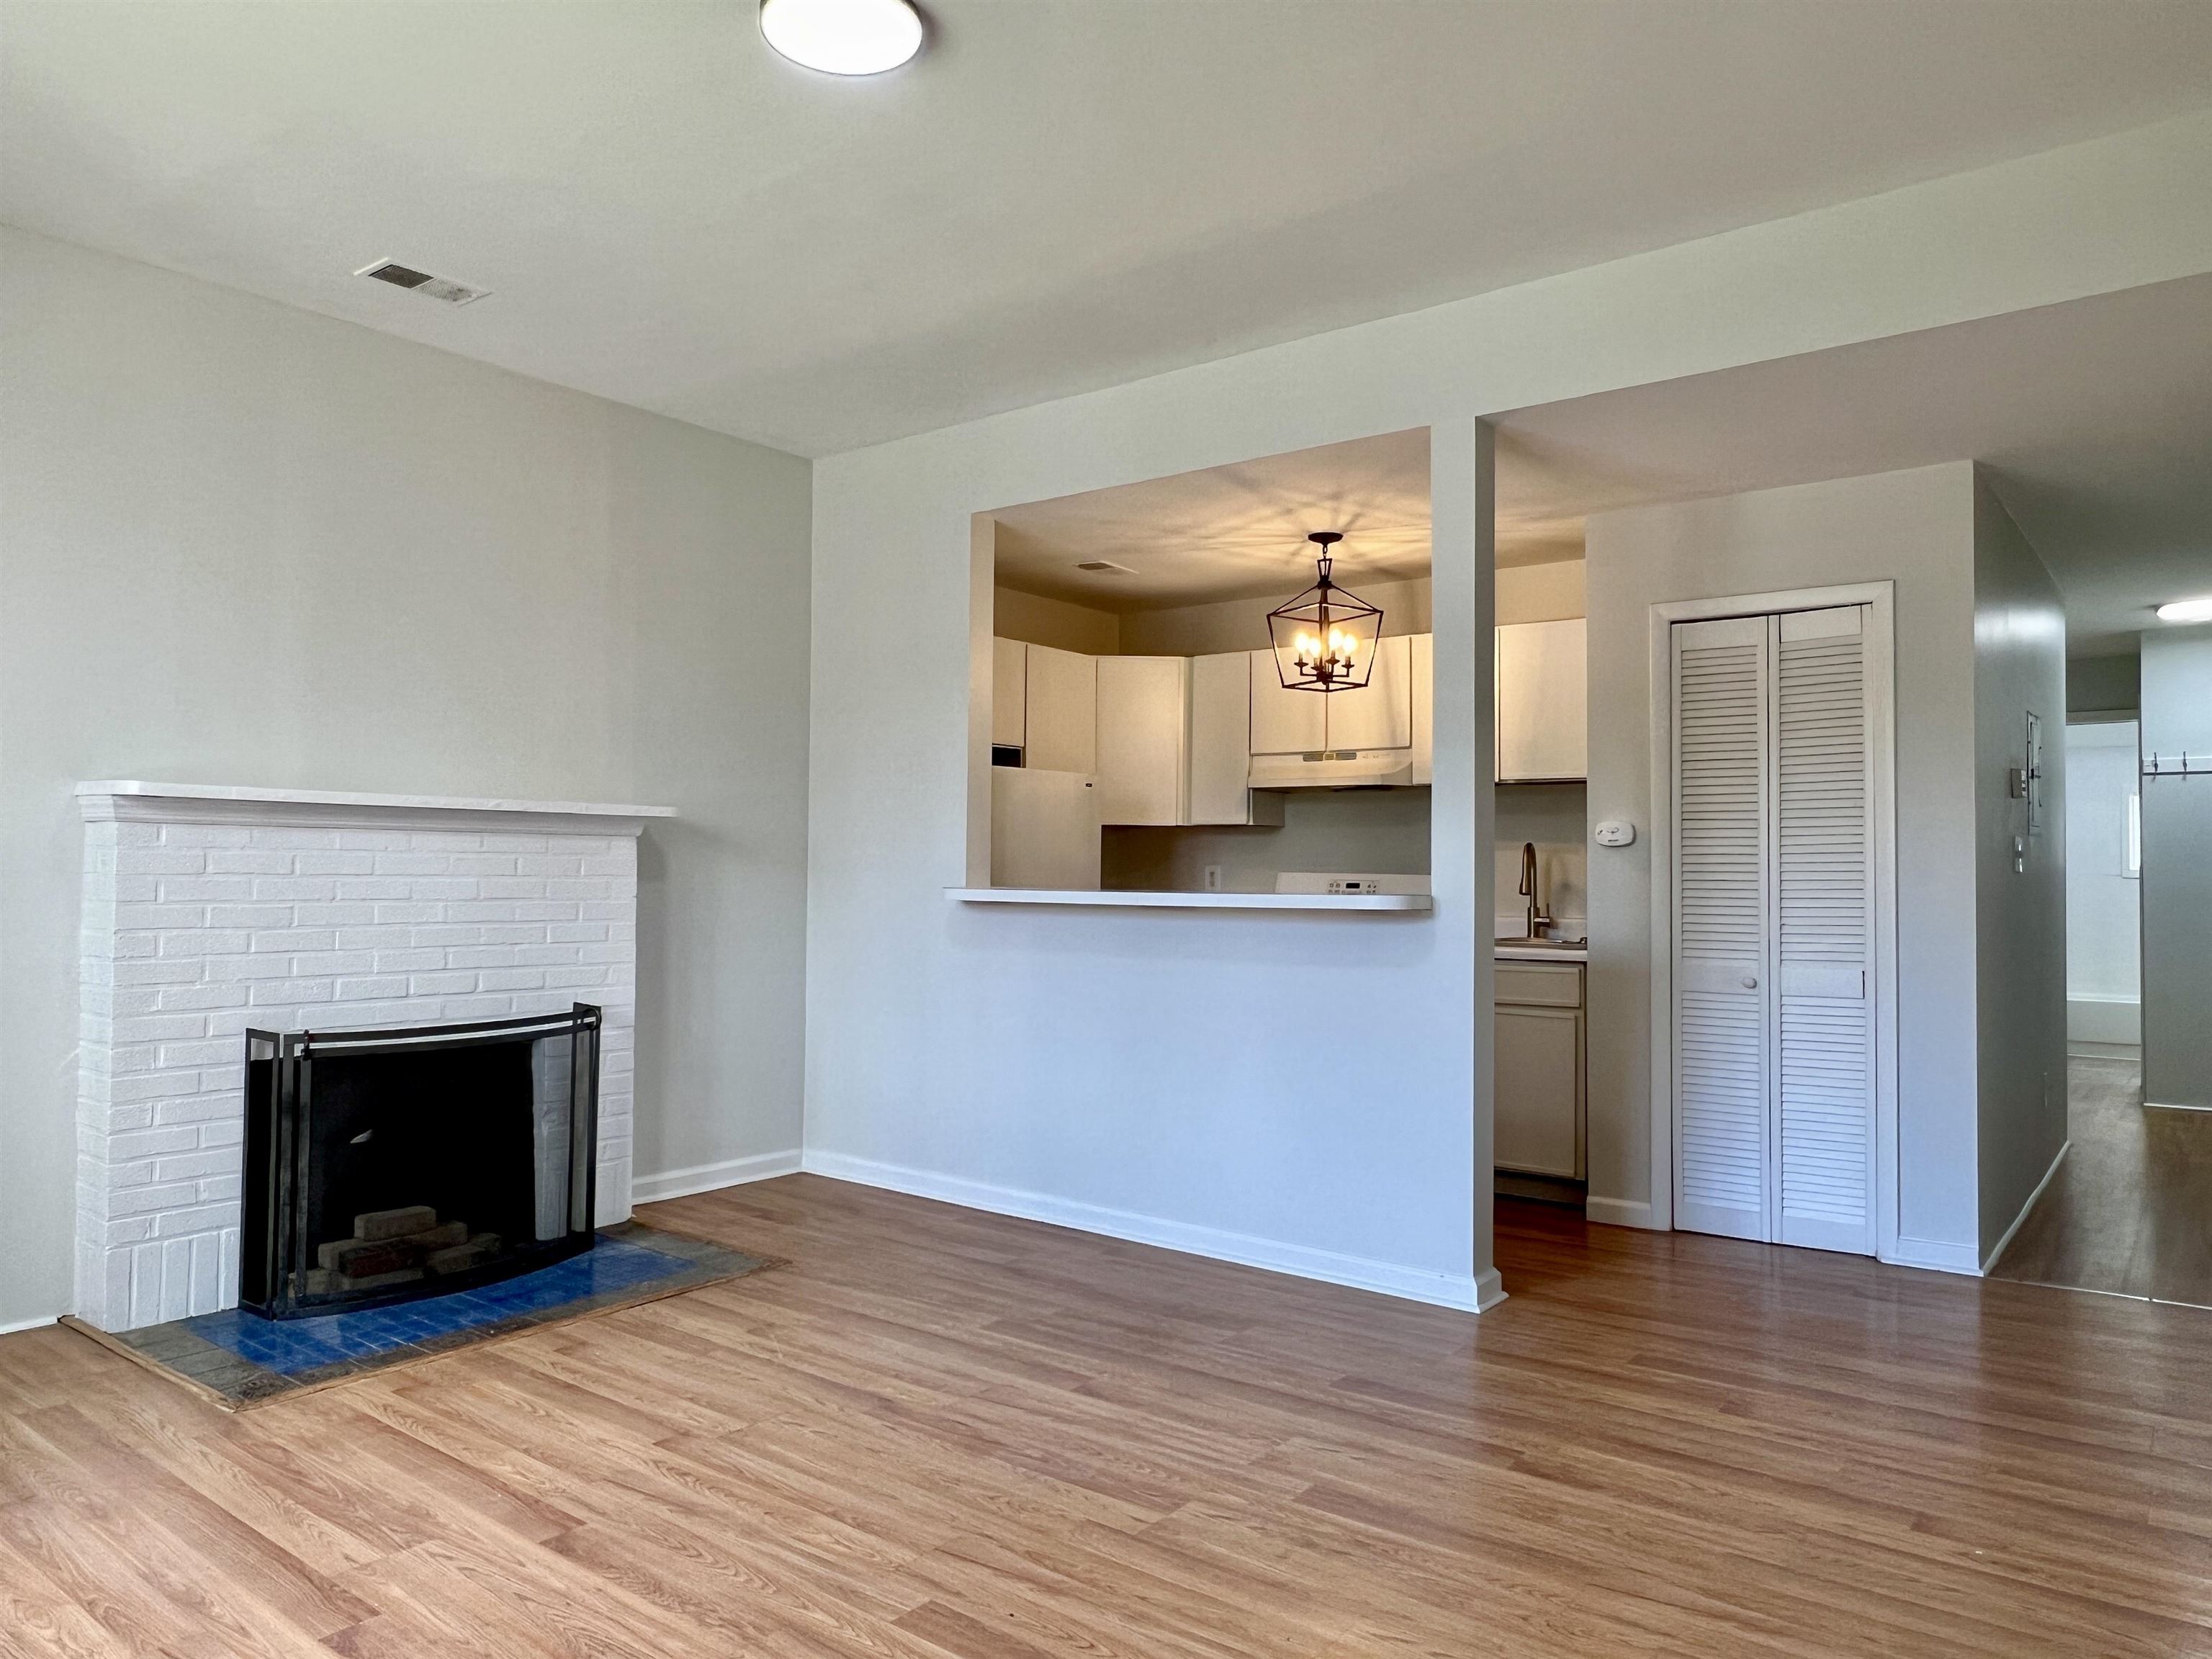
{"type": "Point", "coordinates": [1615, 832]}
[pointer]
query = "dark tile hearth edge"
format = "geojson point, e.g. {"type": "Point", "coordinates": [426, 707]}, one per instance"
{"type": "Point", "coordinates": [178, 1350]}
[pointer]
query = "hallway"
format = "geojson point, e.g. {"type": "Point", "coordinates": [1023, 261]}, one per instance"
{"type": "Point", "coordinates": [2130, 1212]}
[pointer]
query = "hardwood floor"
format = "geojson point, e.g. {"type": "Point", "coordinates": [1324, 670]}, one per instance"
{"type": "Point", "coordinates": [2130, 1211]}
{"type": "Point", "coordinates": [937, 1433]}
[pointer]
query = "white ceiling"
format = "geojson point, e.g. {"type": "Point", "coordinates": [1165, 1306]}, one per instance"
{"type": "Point", "coordinates": [1230, 531]}
{"type": "Point", "coordinates": [2094, 418]}
{"type": "Point", "coordinates": [1057, 195]}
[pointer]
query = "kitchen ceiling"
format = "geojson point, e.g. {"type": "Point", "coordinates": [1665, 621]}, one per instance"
{"type": "Point", "coordinates": [1056, 196]}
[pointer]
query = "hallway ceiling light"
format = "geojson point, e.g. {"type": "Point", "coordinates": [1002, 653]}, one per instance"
{"type": "Point", "coordinates": [2187, 611]}
{"type": "Point", "coordinates": [1324, 638]}
{"type": "Point", "coordinates": [843, 37]}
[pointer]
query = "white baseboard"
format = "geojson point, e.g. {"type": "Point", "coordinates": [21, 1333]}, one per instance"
{"type": "Point", "coordinates": [2079, 1048]}
{"type": "Point", "coordinates": [1619, 1212]}
{"type": "Point", "coordinates": [1998, 1248]}
{"type": "Point", "coordinates": [2099, 1020]}
{"type": "Point", "coordinates": [1463, 1291]}
{"type": "Point", "coordinates": [2175, 1106]}
{"type": "Point", "coordinates": [28, 1324]}
{"type": "Point", "coordinates": [1936, 1254]}
{"type": "Point", "coordinates": [711, 1178]}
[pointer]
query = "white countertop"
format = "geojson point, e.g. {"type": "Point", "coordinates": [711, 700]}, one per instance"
{"type": "Point", "coordinates": [1399, 902]}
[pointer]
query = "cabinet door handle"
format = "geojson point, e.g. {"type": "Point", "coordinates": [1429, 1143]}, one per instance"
{"type": "Point", "coordinates": [1751, 982]}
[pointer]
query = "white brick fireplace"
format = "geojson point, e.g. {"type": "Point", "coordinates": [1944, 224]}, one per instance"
{"type": "Point", "coordinates": [208, 910]}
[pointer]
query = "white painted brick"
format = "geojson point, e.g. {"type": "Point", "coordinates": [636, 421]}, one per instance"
{"type": "Point", "coordinates": [229, 1134]}
{"type": "Point", "coordinates": [159, 1027]}
{"type": "Point", "coordinates": [207, 890]}
{"type": "Point", "coordinates": [210, 1051]}
{"type": "Point", "coordinates": [296, 889]}
{"type": "Point", "coordinates": [195, 1218]}
{"type": "Point", "coordinates": [202, 941]}
{"type": "Point", "coordinates": [295, 939]}
{"type": "Point", "coordinates": [546, 956]}
{"type": "Point", "coordinates": [575, 978]}
{"type": "Point", "coordinates": [225, 970]}
{"type": "Point", "coordinates": [199, 996]}
{"type": "Point", "coordinates": [221, 1186]}
{"type": "Point", "coordinates": [150, 1200]}
{"type": "Point", "coordinates": [290, 839]}
{"type": "Point", "coordinates": [248, 862]}
{"type": "Point", "coordinates": [445, 935]}
{"type": "Point", "coordinates": [443, 984]}
{"type": "Point", "coordinates": [251, 916]}
{"type": "Point", "coordinates": [375, 987]}
{"type": "Point", "coordinates": [196, 1108]}
{"type": "Point", "coordinates": [476, 1007]}
{"type": "Point", "coordinates": [207, 1273]}
{"type": "Point", "coordinates": [373, 888]}
{"type": "Point", "coordinates": [411, 913]}
{"type": "Point", "coordinates": [499, 843]}
{"type": "Point", "coordinates": [336, 864]}
{"type": "Point", "coordinates": [481, 910]}
{"type": "Point", "coordinates": [516, 887]}
{"type": "Point", "coordinates": [414, 863]}
{"type": "Point", "coordinates": [373, 840]}
{"type": "Point", "coordinates": [383, 936]}
{"type": "Point", "coordinates": [277, 993]}
{"type": "Point", "coordinates": [194, 835]}
{"type": "Point", "coordinates": [556, 863]}
{"type": "Point", "coordinates": [405, 961]}
{"type": "Point", "coordinates": [576, 933]}
{"type": "Point", "coordinates": [448, 840]}
{"type": "Point", "coordinates": [350, 914]}
{"type": "Point", "coordinates": [160, 914]}
{"type": "Point", "coordinates": [511, 979]}
{"type": "Point", "coordinates": [317, 964]}
{"type": "Point", "coordinates": [195, 1165]}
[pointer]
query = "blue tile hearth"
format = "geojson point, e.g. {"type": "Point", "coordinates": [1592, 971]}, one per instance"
{"type": "Point", "coordinates": [244, 1358]}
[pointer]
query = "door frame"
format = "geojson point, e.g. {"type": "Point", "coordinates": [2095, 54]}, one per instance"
{"type": "Point", "coordinates": [1881, 598]}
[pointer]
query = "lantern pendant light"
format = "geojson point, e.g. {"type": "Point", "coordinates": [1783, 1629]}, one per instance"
{"type": "Point", "coordinates": [1324, 639]}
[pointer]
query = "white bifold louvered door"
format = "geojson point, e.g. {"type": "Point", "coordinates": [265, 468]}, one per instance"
{"type": "Point", "coordinates": [1773, 934]}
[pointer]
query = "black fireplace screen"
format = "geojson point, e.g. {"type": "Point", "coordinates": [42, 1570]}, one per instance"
{"type": "Point", "coordinates": [382, 1165]}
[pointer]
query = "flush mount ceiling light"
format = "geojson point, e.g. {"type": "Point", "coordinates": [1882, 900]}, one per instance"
{"type": "Point", "coordinates": [1324, 639]}
{"type": "Point", "coordinates": [843, 37]}
{"type": "Point", "coordinates": [2187, 611]}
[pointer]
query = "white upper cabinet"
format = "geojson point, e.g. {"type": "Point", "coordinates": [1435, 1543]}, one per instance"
{"type": "Point", "coordinates": [1380, 714]}
{"type": "Point", "coordinates": [1142, 730]}
{"type": "Point", "coordinates": [1220, 746]}
{"type": "Point", "coordinates": [1009, 692]}
{"type": "Point", "coordinates": [1062, 712]}
{"type": "Point", "coordinates": [1285, 722]}
{"type": "Point", "coordinates": [1542, 702]}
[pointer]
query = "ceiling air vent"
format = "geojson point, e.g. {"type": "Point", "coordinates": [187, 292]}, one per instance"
{"type": "Point", "coordinates": [421, 282]}
{"type": "Point", "coordinates": [1106, 565]}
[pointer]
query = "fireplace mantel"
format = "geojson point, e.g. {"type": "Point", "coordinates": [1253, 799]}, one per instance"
{"type": "Point", "coordinates": [209, 909]}
{"type": "Point", "coordinates": [130, 800]}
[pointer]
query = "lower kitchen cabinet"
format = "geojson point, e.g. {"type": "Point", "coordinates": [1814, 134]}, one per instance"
{"type": "Point", "coordinates": [1540, 1076]}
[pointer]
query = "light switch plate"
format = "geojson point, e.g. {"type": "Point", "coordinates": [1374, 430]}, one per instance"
{"type": "Point", "coordinates": [1615, 832]}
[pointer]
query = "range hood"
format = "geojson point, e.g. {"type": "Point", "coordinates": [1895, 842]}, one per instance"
{"type": "Point", "coordinates": [1335, 769]}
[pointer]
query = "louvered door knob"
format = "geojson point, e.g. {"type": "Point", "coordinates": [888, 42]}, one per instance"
{"type": "Point", "coordinates": [1750, 981]}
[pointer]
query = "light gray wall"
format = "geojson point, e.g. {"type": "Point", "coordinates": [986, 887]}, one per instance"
{"type": "Point", "coordinates": [1036, 620]}
{"type": "Point", "coordinates": [1916, 529]}
{"type": "Point", "coordinates": [2020, 667]}
{"type": "Point", "coordinates": [246, 544]}
{"type": "Point", "coordinates": [2102, 685]}
{"type": "Point", "coordinates": [2177, 876]}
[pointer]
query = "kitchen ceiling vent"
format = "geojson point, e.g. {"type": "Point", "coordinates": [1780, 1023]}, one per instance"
{"type": "Point", "coordinates": [1106, 565]}
{"type": "Point", "coordinates": [421, 282]}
